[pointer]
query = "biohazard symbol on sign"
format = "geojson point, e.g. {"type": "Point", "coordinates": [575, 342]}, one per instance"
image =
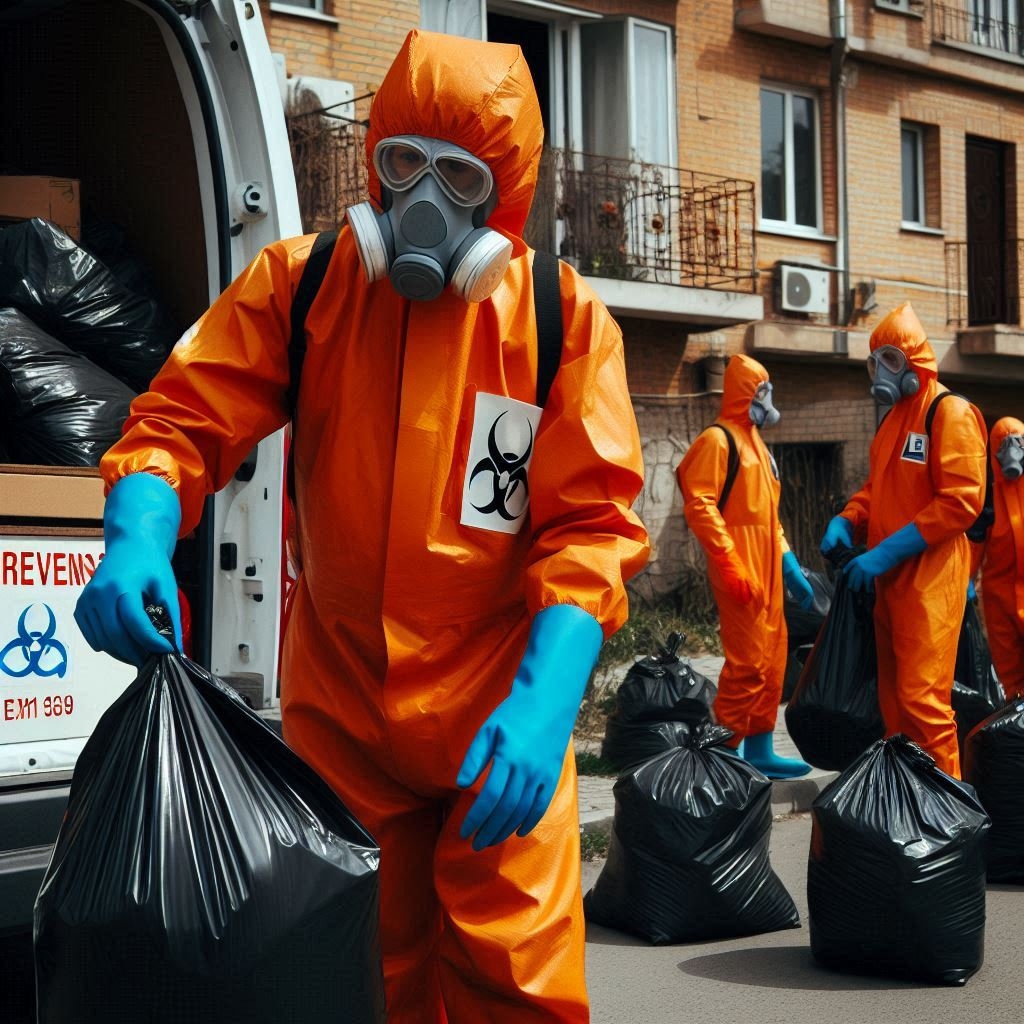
{"type": "Point", "coordinates": [34, 651]}
{"type": "Point", "coordinates": [509, 487]}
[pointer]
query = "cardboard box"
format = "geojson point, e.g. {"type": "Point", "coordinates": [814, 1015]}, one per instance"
{"type": "Point", "coordinates": [50, 492]}
{"type": "Point", "coordinates": [53, 199]}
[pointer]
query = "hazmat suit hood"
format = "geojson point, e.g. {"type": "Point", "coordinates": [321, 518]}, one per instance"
{"type": "Point", "coordinates": [1001, 430]}
{"type": "Point", "coordinates": [477, 95]}
{"type": "Point", "coordinates": [743, 376]}
{"type": "Point", "coordinates": [903, 330]}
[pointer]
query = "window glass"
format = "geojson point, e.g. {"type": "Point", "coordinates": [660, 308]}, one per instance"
{"type": "Point", "coordinates": [652, 142]}
{"type": "Point", "coordinates": [454, 17]}
{"type": "Point", "coordinates": [773, 155]}
{"type": "Point", "coordinates": [910, 163]}
{"type": "Point", "coordinates": [790, 174]}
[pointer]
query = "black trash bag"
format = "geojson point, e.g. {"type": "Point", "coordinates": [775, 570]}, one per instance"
{"type": "Point", "coordinates": [804, 624]}
{"type": "Point", "coordinates": [896, 873]}
{"type": "Point", "coordinates": [660, 698]}
{"type": "Point", "coordinates": [977, 692]}
{"type": "Point", "coordinates": [74, 297]}
{"type": "Point", "coordinates": [108, 242]}
{"type": "Point", "coordinates": [688, 858]}
{"type": "Point", "coordinates": [204, 873]}
{"type": "Point", "coordinates": [795, 661]}
{"type": "Point", "coordinates": [57, 407]}
{"type": "Point", "coordinates": [994, 765]}
{"type": "Point", "coordinates": [833, 715]}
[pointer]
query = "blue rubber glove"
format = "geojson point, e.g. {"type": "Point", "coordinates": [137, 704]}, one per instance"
{"type": "Point", "coordinates": [796, 582]}
{"type": "Point", "coordinates": [140, 526]}
{"type": "Point", "coordinates": [838, 533]}
{"type": "Point", "coordinates": [525, 738]}
{"type": "Point", "coordinates": [904, 543]}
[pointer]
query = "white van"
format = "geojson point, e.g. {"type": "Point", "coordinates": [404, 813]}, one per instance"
{"type": "Point", "coordinates": [168, 115]}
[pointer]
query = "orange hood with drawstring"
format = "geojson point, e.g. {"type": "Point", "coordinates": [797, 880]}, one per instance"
{"type": "Point", "coordinates": [408, 622]}
{"type": "Point", "coordinates": [1002, 567]}
{"type": "Point", "coordinates": [746, 537]}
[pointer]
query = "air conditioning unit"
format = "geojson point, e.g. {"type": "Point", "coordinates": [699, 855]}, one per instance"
{"type": "Point", "coordinates": [802, 290]}
{"type": "Point", "coordinates": [893, 5]}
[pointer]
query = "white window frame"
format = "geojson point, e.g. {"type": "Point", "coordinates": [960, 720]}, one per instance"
{"type": "Point", "coordinates": [287, 6]}
{"type": "Point", "coordinates": [918, 131]}
{"type": "Point", "coordinates": [789, 226]}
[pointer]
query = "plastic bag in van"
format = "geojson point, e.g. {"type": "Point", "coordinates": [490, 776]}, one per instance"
{"type": "Point", "coordinates": [204, 873]}
{"type": "Point", "coordinates": [896, 873]}
{"type": "Point", "coordinates": [74, 297]}
{"type": "Point", "coordinates": [57, 407]}
{"type": "Point", "coordinates": [688, 858]}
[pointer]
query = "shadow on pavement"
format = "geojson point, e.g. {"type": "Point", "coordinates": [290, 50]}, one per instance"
{"type": "Point", "coordinates": [784, 967]}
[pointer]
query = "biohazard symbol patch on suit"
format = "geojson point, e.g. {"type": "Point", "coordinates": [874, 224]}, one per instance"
{"type": "Point", "coordinates": [496, 492]}
{"type": "Point", "coordinates": [915, 448]}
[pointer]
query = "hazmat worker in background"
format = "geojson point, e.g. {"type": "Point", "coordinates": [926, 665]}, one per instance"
{"type": "Point", "coordinates": [735, 517]}
{"type": "Point", "coordinates": [464, 551]}
{"type": "Point", "coordinates": [925, 487]}
{"type": "Point", "coordinates": [1002, 566]}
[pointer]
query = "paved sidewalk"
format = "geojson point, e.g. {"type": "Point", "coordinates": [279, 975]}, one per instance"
{"type": "Point", "coordinates": [597, 803]}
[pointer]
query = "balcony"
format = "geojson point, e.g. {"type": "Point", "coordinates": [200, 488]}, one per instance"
{"type": "Point", "coordinates": [971, 25]}
{"type": "Point", "coordinates": [656, 242]}
{"type": "Point", "coordinates": [983, 291]}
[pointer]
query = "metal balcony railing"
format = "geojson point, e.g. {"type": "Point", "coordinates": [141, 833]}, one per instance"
{"type": "Point", "coordinates": [642, 222]}
{"type": "Point", "coordinates": [609, 217]}
{"type": "Point", "coordinates": [984, 23]}
{"type": "Point", "coordinates": [984, 282]}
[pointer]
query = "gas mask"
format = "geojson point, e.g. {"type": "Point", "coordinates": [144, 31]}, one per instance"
{"type": "Point", "coordinates": [762, 412]}
{"type": "Point", "coordinates": [891, 375]}
{"type": "Point", "coordinates": [436, 198]}
{"type": "Point", "coordinates": [1011, 456]}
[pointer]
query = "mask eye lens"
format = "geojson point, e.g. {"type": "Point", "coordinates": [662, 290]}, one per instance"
{"type": "Point", "coordinates": [763, 391]}
{"type": "Point", "coordinates": [890, 357]}
{"type": "Point", "coordinates": [399, 163]}
{"type": "Point", "coordinates": [467, 180]}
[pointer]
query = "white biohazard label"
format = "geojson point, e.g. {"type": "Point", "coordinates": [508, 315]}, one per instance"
{"type": "Point", "coordinates": [496, 492]}
{"type": "Point", "coordinates": [915, 448]}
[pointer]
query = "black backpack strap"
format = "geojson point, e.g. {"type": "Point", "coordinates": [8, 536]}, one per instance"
{"type": "Point", "coordinates": [732, 465]}
{"type": "Point", "coordinates": [929, 416]}
{"type": "Point", "coordinates": [309, 284]}
{"type": "Point", "coordinates": [547, 305]}
{"type": "Point", "coordinates": [978, 530]}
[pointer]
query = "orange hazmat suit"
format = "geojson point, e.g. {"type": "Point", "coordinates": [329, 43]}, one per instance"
{"type": "Point", "coordinates": [744, 545]}
{"type": "Point", "coordinates": [938, 484]}
{"type": "Point", "coordinates": [1002, 568]}
{"type": "Point", "coordinates": [406, 625]}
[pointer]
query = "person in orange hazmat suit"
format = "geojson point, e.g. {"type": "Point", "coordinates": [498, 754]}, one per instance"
{"type": "Point", "coordinates": [749, 561]}
{"type": "Point", "coordinates": [1002, 567]}
{"type": "Point", "coordinates": [925, 487]}
{"type": "Point", "coordinates": [464, 552]}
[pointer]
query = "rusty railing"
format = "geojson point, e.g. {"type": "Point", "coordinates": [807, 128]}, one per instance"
{"type": "Point", "coordinates": [984, 282]}
{"type": "Point", "coordinates": [974, 23]}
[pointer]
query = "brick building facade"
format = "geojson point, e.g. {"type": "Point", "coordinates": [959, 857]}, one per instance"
{"type": "Point", "coordinates": [879, 140]}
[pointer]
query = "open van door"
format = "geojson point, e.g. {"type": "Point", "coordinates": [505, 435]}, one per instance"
{"type": "Point", "coordinates": [169, 118]}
